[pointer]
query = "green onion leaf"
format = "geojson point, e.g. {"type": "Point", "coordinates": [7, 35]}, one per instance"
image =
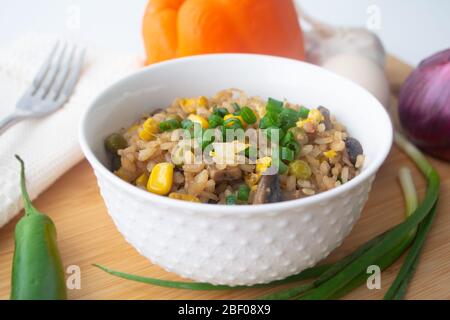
{"type": "Point", "coordinates": [248, 115]}
{"type": "Point", "coordinates": [243, 192]}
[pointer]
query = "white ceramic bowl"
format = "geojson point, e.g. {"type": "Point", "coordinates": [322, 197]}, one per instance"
{"type": "Point", "coordinates": [235, 245]}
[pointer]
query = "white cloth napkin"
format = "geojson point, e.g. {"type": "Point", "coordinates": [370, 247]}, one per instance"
{"type": "Point", "coordinates": [49, 146]}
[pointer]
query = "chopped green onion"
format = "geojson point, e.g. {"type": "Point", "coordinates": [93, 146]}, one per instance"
{"type": "Point", "coordinates": [170, 124]}
{"type": "Point", "coordinates": [243, 192]}
{"type": "Point", "coordinates": [270, 131]}
{"type": "Point", "coordinates": [294, 146]}
{"type": "Point", "coordinates": [280, 165]}
{"type": "Point", "coordinates": [303, 112]}
{"type": "Point", "coordinates": [251, 152]}
{"type": "Point", "coordinates": [233, 123]}
{"type": "Point", "coordinates": [275, 106]}
{"type": "Point", "coordinates": [187, 124]}
{"type": "Point", "coordinates": [248, 115]}
{"type": "Point", "coordinates": [221, 112]}
{"type": "Point", "coordinates": [214, 121]}
{"type": "Point", "coordinates": [288, 118]}
{"type": "Point", "coordinates": [270, 119]}
{"type": "Point", "coordinates": [288, 138]}
{"type": "Point", "coordinates": [287, 154]}
{"type": "Point", "coordinates": [231, 199]}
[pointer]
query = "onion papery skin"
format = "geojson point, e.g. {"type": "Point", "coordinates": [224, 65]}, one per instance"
{"type": "Point", "coordinates": [424, 105]}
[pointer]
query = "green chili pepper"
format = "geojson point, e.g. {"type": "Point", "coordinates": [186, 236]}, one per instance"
{"type": "Point", "coordinates": [37, 272]}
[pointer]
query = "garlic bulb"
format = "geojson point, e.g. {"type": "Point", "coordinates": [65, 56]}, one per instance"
{"type": "Point", "coordinates": [355, 53]}
{"type": "Point", "coordinates": [363, 71]}
{"type": "Point", "coordinates": [325, 41]}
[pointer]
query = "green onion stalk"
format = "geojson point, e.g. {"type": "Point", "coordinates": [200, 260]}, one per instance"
{"type": "Point", "coordinates": [335, 280]}
{"type": "Point", "coordinates": [393, 242]}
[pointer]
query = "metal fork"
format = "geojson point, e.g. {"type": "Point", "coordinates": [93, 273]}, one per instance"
{"type": "Point", "coordinates": [52, 86]}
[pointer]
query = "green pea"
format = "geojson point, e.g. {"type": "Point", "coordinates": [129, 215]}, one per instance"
{"type": "Point", "coordinates": [300, 169]}
{"type": "Point", "coordinates": [243, 192]}
{"type": "Point", "coordinates": [115, 142]}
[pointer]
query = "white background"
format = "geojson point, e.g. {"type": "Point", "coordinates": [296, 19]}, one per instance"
{"type": "Point", "coordinates": [410, 29]}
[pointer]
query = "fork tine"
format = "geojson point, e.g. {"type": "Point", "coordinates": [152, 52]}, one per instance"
{"type": "Point", "coordinates": [43, 69]}
{"type": "Point", "coordinates": [52, 71]}
{"type": "Point", "coordinates": [73, 76]}
{"type": "Point", "coordinates": [57, 85]}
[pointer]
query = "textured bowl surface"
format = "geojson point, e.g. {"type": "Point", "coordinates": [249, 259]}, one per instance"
{"type": "Point", "coordinates": [235, 245]}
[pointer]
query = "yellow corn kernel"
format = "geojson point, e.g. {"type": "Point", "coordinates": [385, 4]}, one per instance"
{"type": "Point", "coordinates": [301, 123]}
{"type": "Point", "coordinates": [142, 180]}
{"type": "Point", "coordinates": [330, 154]}
{"type": "Point", "coordinates": [263, 164]}
{"type": "Point", "coordinates": [149, 129]}
{"type": "Point", "coordinates": [315, 116]}
{"type": "Point", "coordinates": [200, 120]}
{"type": "Point", "coordinates": [202, 101]}
{"type": "Point", "coordinates": [231, 116]}
{"type": "Point", "coordinates": [151, 125]}
{"type": "Point", "coordinates": [185, 197]}
{"type": "Point", "coordinates": [145, 135]}
{"type": "Point", "coordinates": [161, 179]}
{"type": "Point", "coordinates": [189, 105]}
{"type": "Point", "coordinates": [123, 174]}
{"type": "Point", "coordinates": [133, 128]}
{"type": "Point", "coordinates": [252, 179]}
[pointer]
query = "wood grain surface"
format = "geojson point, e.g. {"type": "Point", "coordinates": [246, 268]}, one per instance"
{"type": "Point", "coordinates": [87, 235]}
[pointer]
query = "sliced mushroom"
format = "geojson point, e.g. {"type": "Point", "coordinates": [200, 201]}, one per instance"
{"type": "Point", "coordinates": [346, 158]}
{"type": "Point", "coordinates": [353, 148]}
{"type": "Point", "coordinates": [268, 190]}
{"type": "Point", "coordinates": [326, 117]}
{"type": "Point", "coordinates": [227, 174]}
{"type": "Point", "coordinates": [292, 195]}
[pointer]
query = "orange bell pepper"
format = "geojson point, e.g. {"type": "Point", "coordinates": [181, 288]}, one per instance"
{"type": "Point", "coordinates": [177, 28]}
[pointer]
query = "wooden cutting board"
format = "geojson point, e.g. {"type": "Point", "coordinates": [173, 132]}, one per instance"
{"type": "Point", "coordinates": [87, 235]}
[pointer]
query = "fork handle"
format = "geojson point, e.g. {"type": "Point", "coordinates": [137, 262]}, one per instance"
{"type": "Point", "coordinates": [9, 121]}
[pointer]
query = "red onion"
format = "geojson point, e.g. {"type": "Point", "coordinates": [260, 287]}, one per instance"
{"type": "Point", "coordinates": [424, 105]}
